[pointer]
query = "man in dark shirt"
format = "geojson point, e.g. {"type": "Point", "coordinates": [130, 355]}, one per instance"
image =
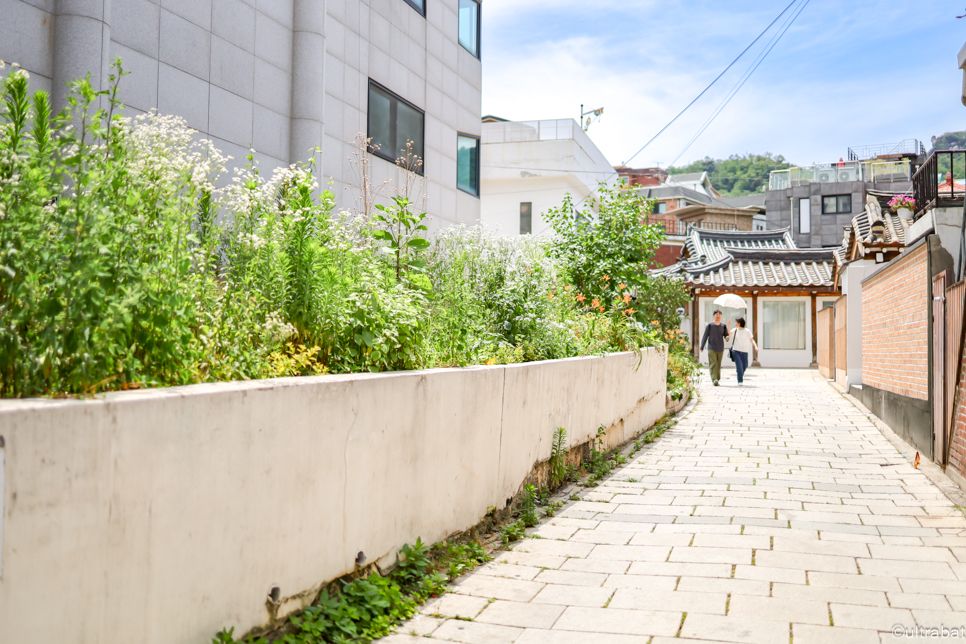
{"type": "Point", "coordinates": [714, 336]}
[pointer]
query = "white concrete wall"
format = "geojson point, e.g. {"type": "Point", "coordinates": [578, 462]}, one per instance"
{"type": "Point", "coordinates": [279, 76]}
{"type": "Point", "coordinates": [851, 280]}
{"type": "Point", "coordinates": [162, 516]}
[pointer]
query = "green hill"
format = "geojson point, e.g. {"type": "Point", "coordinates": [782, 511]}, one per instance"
{"type": "Point", "coordinates": [738, 174]}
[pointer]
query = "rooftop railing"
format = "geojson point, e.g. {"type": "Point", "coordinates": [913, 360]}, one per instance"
{"type": "Point", "coordinates": [842, 171]}
{"type": "Point", "coordinates": [517, 131]}
{"type": "Point", "coordinates": [934, 184]}
{"type": "Point", "coordinates": [678, 227]}
{"type": "Point", "coordinates": [906, 146]}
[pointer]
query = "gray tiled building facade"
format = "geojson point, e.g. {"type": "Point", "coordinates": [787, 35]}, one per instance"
{"type": "Point", "coordinates": [279, 76]}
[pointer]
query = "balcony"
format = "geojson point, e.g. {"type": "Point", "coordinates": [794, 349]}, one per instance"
{"type": "Point", "coordinates": [678, 227]}
{"type": "Point", "coordinates": [882, 171]}
{"type": "Point", "coordinates": [518, 131]}
{"type": "Point", "coordinates": [934, 186]}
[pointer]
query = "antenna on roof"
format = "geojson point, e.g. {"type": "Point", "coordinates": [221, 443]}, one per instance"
{"type": "Point", "coordinates": [596, 113]}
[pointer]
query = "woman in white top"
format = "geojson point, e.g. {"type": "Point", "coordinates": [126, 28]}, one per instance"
{"type": "Point", "coordinates": [742, 346]}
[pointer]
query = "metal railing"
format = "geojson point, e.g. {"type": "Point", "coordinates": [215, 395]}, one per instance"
{"type": "Point", "coordinates": [517, 131]}
{"type": "Point", "coordinates": [678, 227]}
{"type": "Point", "coordinates": [934, 184]}
{"type": "Point", "coordinates": [906, 146]}
{"type": "Point", "coordinates": [842, 171]}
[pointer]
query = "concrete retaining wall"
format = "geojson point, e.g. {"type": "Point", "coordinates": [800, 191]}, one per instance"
{"type": "Point", "coordinates": [164, 515]}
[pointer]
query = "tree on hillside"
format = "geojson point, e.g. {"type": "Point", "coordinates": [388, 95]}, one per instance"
{"type": "Point", "coordinates": [738, 174]}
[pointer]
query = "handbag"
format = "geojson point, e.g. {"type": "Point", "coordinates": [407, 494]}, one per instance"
{"type": "Point", "coordinates": [731, 349]}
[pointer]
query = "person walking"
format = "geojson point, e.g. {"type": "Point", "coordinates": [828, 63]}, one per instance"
{"type": "Point", "coordinates": [743, 343]}
{"type": "Point", "coordinates": [714, 337]}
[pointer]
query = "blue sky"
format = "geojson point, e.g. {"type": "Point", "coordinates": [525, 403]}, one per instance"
{"type": "Point", "coordinates": [846, 73]}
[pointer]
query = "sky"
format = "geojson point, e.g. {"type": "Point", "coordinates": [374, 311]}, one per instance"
{"type": "Point", "coordinates": [845, 74]}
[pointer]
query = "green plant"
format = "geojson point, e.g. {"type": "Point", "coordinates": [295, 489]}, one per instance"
{"type": "Point", "coordinates": [599, 464]}
{"type": "Point", "coordinates": [512, 532]}
{"type": "Point", "coordinates": [552, 508]}
{"type": "Point", "coordinates": [528, 506]}
{"type": "Point", "coordinates": [558, 458]}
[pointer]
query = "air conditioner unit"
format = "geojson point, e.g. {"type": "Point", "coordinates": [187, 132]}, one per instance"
{"type": "Point", "coordinates": [827, 176]}
{"type": "Point", "coordinates": [848, 174]}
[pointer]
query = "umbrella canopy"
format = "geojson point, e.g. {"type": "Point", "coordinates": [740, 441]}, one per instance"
{"type": "Point", "coordinates": [731, 301]}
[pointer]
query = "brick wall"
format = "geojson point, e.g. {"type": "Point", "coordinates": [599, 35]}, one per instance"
{"type": "Point", "coordinates": [826, 342]}
{"type": "Point", "coordinates": [895, 310]}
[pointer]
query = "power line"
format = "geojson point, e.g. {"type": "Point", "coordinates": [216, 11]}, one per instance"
{"type": "Point", "coordinates": [717, 78]}
{"type": "Point", "coordinates": [744, 78]}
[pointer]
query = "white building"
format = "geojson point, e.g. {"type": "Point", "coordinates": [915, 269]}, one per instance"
{"type": "Point", "coordinates": [529, 166]}
{"type": "Point", "coordinates": [282, 77]}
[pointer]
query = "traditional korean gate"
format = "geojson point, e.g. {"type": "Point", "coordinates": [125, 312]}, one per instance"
{"type": "Point", "coordinates": [939, 368]}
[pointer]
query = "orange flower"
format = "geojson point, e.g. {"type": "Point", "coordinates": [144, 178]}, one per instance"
{"type": "Point", "coordinates": [567, 287]}
{"type": "Point", "coordinates": [627, 298]}
{"type": "Point", "coordinates": [594, 303]}
{"type": "Point", "coordinates": [621, 286]}
{"type": "Point", "coordinates": [580, 297]}
{"type": "Point", "coordinates": [631, 311]}
{"type": "Point", "coordinates": [654, 322]}
{"type": "Point", "coordinates": [606, 278]}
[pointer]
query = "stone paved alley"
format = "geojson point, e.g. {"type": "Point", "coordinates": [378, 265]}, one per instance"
{"type": "Point", "coordinates": [777, 512]}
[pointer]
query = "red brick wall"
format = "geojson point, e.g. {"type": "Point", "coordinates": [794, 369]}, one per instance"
{"type": "Point", "coordinates": [666, 255]}
{"type": "Point", "coordinates": [895, 310]}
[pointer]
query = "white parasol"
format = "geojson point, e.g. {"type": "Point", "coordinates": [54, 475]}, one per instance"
{"type": "Point", "coordinates": [731, 301]}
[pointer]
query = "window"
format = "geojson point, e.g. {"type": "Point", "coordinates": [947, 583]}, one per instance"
{"type": "Point", "coordinates": [418, 5]}
{"type": "Point", "coordinates": [660, 208]}
{"type": "Point", "coordinates": [468, 164]}
{"type": "Point", "coordinates": [470, 26]}
{"type": "Point", "coordinates": [837, 205]}
{"type": "Point", "coordinates": [804, 216]}
{"type": "Point", "coordinates": [392, 122]}
{"type": "Point", "coordinates": [526, 218]}
{"type": "Point", "coordinates": [784, 325]}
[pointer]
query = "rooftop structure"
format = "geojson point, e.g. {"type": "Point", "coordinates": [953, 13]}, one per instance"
{"type": "Point", "coordinates": [529, 167]}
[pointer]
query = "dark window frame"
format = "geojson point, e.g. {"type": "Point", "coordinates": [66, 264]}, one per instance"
{"type": "Point", "coordinates": [479, 163]}
{"type": "Point", "coordinates": [836, 211]}
{"type": "Point", "coordinates": [393, 112]}
{"type": "Point", "coordinates": [420, 11]}
{"type": "Point", "coordinates": [479, 31]}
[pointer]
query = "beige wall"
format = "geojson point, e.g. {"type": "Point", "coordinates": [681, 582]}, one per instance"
{"type": "Point", "coordinates": [165, 515]}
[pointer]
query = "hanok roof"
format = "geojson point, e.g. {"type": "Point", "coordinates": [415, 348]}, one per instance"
{"type": "Point", "coordinates": [873, 230]}
{"type": "Point", "coordinates": [750, 259]}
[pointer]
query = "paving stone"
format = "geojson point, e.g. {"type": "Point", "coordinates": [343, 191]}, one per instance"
{"type": "Point", "coordinates": [618, 621]}
{"type": "Point", "coordinates": [534, 636]}
{"type": "Point", "coordinates": [710, 585]}
{"type": "Point", "coordinates": [530, 559]}
{"type": "Point", "coordinates": [734, 629]}
{"type": "Point", "coordinates": [575, 596]}
{"type": "Point", "coordinates": [510, 571]}
{"type": "Point", "coordinates": [693, 554]}
{"type": "Point", "coordinates": [812, 634]}
{"type": "Point", "coordinates": [611, 537]}
{"type": "Point", "coordinates": [808, 562]}
{"type": "Point", "coordinates": [570, 578]}
{"type": "Point", "coordinates": [778, 609]}
{"type": "Point", "coordinates": [677, 601]}
{"type": "Point", "coordinates": [768, 573]}
{"type": "Point", "coordinates": [559, 548]}
{"type": "Point", "coordinates": [419, 625]}
{"type": "Point", "coordinates": [608, 566]}
{"type": "Point", "coordinates": [877, 617]}
{"type": "Point", "coordinates": [906, 569]}
{"type": "Point", "coordinates": [912, 553]}
{"type": "Point", "coordinates": [677, 569]}
{"type": "Point", "coordinates": [830, 594]}
{"type": "Point", "coordinates": [522, 615]}
{"type": "Point", "coordinates": [923, 601]}
{"type": "Point", "coordinates": [497, 587]}
{"type": "Point", "coordinates": [456, 630]}
{"type": "Point", "coordinates": [453, 605]}
{"type": "Point", "coordinates": [631, 553]}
